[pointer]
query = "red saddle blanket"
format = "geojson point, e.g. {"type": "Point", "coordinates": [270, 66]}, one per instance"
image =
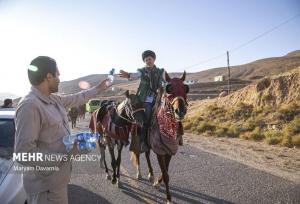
{"type": "Point", "coordinates": [107, 127]}
{"type": "Point", "coordinates": [168, 126]}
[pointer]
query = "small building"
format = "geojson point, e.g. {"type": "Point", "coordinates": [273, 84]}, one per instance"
{"type": "Point", "coordinates": [188, 82]}
{"type": "Point", "coordinates": [219, 78]}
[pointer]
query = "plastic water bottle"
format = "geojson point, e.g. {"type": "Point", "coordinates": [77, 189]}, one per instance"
{"type": "Point", "coordinates": [69, 140]}
{"type": "Point", "coordinates": [87, 145]}
{"type": "Point", "coordinates": [86, 140]}
{"type": "Point", "coordinates": [110, 77]}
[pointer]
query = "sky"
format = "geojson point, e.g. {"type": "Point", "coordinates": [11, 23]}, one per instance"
{"type": "Point", "coordinates": [91, 37]}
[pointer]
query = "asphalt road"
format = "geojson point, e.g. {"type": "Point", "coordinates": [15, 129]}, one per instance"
{"type": "Point", "coordinates": [195, 177]}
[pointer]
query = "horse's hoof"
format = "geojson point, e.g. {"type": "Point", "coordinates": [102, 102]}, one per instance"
{"type": "Point", "coordinates": [151, 178]}
{"type": "Point", "coordinates": [119, 184]}
{"type": "Point", "coordinates": [138, 176]}
{"type": "Point", "coordinates": [108, 177]}
{"type": "Point", "coordinates": [156, 185]}
{"type": "Point", "coordinates": [114, 181]}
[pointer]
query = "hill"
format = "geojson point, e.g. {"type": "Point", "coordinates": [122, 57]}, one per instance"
{"type": "Point", "coordinates": [267, 110]}
{"type": "Point", "coordinates": [242, 75]}
{"type": "Point", "coordinates": [254, 70]}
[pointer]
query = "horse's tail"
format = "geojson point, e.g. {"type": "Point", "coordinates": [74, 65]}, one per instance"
{"type": "Point", "coordinates": [134, 159]}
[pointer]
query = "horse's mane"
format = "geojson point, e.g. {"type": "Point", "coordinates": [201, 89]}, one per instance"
{"type": "Point", "coordinates": [115, 114]}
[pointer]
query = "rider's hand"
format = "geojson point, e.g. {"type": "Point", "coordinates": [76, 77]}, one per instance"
{"type": "Point", "coordinates": [124, 74]}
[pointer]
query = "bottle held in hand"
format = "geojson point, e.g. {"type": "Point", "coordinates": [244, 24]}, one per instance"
{"type": "Point", "coordinates": [110, 77]}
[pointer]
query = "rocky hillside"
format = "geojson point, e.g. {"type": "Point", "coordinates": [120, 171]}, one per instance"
{"type": "Point", "coordinates": [268, 110]}
{"type": "Point", "coordinates": [274, 91]}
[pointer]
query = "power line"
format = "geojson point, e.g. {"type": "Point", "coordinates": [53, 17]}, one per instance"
{"type": "Point", "coordinates": [264, 33]}
{"type": "Point", "coordinates": [246, 43]}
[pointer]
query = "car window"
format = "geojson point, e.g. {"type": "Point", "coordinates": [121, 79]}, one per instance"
{"type": "Point", "coordinates": [95, 103]}
{"type": "Point", "coordinates": [7, 137]}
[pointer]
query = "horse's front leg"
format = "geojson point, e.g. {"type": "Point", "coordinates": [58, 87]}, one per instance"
{"type": "Point", "coordinates": [113, 163]}
{"type": "Point", "coordinates": [162, 160]}
{"type": "Point", "coordinates": [150, 169]}
{"type": "Point", "coordinates": [120, 147]}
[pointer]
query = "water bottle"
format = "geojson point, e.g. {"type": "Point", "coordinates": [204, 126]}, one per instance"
{"type": "Point", "coordinates": [87, 145]}
{"type": "Point", "coordinates": [86, 140]}
{"type": "Point", "coordinates": [69, 140]}
{"type": "Point", "coordinates": [110, 77]}
{"type": "Point", "coordinates": [83, 136]}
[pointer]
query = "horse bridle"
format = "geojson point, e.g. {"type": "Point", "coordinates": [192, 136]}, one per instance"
{"type": "Point", "coordinates": [178, 98]}
{"type": "Point", "coordinates": [171, 103]}
{"type": "Point", "coordinates": [129, 112]}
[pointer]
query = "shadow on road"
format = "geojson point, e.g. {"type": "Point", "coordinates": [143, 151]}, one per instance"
{"type": "Point", "coordinates": [78, 195]}
{"type": "Point", "coordinates": [178, 194]}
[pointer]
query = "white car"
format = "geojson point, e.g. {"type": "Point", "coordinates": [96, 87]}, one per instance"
{"type": "Point", "coordinates": [11, 182]}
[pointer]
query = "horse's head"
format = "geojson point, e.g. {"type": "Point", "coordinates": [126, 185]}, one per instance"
{"type": "Point", "coordinates": [134, 108]}
{"type": "Point", "coordinates": [176, 94]}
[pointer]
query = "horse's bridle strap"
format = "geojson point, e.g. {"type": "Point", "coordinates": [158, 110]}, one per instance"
{"type": "Point", "coordinates": [177, 98]}
{"type": "Point", "coordinates": [138, 110]}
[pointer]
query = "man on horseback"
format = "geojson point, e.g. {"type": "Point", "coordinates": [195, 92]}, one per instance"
{"type": "Point", "coordinates": [151, 79]}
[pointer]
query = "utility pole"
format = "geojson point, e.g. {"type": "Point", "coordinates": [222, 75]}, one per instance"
{"type": "Point", "coordinates": [228, 68]}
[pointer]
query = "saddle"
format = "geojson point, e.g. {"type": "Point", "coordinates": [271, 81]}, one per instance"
{"type": "Point", "coordinates": [106, 116]}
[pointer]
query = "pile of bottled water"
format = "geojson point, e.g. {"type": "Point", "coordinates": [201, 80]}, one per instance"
{"type": "Point", "coordinates": [86, 140]}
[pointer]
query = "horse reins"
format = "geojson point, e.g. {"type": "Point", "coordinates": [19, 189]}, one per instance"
{"type": "Point", "coordinates": [130, 113]}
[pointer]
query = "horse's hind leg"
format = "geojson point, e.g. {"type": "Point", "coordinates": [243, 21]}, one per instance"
{"type": "Point", "coordinates": [157, 183]}
{"type": "Point", "coordinates": [150, 175]}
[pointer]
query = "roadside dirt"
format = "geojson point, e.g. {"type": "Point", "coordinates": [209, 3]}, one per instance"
{"type": "Point", "coordinates": [279, 161]}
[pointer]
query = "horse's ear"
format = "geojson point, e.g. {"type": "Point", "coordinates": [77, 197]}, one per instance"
{"type": "Point", "coordinates": [183, 76]}
{"type": "Point", "coordinates": [167, 77]}
{"type": "Point", "coordinates": [126, 94]}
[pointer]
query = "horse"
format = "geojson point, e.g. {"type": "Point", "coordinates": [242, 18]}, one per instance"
{"type": "Point", "coordinates": [81, 111]}
{"type": "Point", "coordinates": [116, 122]}
{"type": "Point", "coordinates": [73, 114]}
{"type": "Point", "coordinates": [166, 130]}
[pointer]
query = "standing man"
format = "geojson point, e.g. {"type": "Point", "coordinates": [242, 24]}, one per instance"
{"type": "Point", "coordinates": [41, 123]}
{"type": "Point", "coordinates": [151, 79]}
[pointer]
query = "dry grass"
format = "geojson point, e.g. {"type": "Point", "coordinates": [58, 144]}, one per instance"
{"type": "Point", "coordinates": [272, 125]}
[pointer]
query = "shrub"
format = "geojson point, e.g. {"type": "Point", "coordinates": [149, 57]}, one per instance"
{"type": "Point", "coordinates": [242, 111]}
{"type": "Point", "coordinates": [273, 137]}
{"type": "Point", "coordinates": [205, 126]}
{"type": "Point", "coordinates": [293, 127]}
{"type": "Point", "coordinates": [266, 96]}
{"type": "Point", "coordinates": [233, 131]}
{"type": "Point", "coordinates": [273, 140]}
{"type": "Point", "coordinates": [213, 111]}
{"type": "Point", "coordinates": [221, 132]}
{"type": "Point", "coordinates": [287, 141]}
{"type": "Point", "coordinates": [288, 112]}
{"type": "Point", "coordinates": [256, 135]}
{"type": "Point", "coordinates": [296, 140]}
